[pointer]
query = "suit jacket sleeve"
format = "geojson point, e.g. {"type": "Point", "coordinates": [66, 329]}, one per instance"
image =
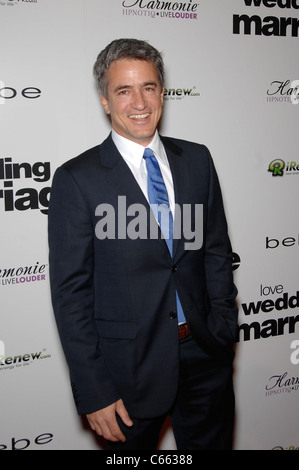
{"type": "Point", "coordinates": [223, 314]}
{"type": "Point", "coordinates": [71, 243]}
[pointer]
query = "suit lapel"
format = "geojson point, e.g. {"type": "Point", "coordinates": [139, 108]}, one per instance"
{"type": "Point", "coordinates": [122, 179]}
{"type": "Point", "coordinates": [125, 184]}
{"type": "Point", "coordinates": [120, 175]}
{"type": "Point", "coordinates": [180, 175]}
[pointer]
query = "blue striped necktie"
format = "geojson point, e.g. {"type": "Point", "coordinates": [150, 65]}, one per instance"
{"type": "Point", "coordinates": [158, 198]}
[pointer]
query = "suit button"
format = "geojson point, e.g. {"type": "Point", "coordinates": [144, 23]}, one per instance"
{"type": "Point", "coordinates": [173, 315]}
{"type": "Point", "coordinates": [174, 268]}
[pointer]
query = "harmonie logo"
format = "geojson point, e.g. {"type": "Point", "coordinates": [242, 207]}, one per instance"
{"type": "Point", "coordinates": [281, 384]}
{"type": "Point", "coordinates": [23, 274]}
{"type": "Point", "coordinates": [187, 10]}
{"type": "Point", "coordinates": [283, 92]}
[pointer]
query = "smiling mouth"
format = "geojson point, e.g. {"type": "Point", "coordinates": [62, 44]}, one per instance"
{"type": "Point", "coordinates": [139, 117]}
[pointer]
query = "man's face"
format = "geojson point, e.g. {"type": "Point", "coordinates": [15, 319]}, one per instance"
{"type": "Point", "coordinates": [135, 99]}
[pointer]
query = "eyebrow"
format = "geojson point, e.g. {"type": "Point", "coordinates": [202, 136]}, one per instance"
{"type": "Point", "coordinates": [128, 87]}
{"type": "Point", "coordinates": [121, 87]}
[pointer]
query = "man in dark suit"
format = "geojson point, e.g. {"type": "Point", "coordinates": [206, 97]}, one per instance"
{"type": "Point", "coordinates": [147, 328]}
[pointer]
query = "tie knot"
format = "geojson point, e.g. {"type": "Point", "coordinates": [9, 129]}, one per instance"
{"type": "Point", "coordinates": [148, 153]}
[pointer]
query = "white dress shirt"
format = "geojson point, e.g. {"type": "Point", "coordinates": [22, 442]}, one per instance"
{"type": "Point", "coordinates": [132, 153]}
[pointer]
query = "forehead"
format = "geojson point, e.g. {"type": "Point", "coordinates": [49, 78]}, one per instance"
{"type": "Point", "coordinates": [129, 71]}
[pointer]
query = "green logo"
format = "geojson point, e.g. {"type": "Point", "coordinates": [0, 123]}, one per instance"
{"type": "Point", "coordinates": [276, 167]}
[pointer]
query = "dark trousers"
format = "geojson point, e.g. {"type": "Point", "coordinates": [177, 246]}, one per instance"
{"type": "Point", "coordinates": [203, 413]}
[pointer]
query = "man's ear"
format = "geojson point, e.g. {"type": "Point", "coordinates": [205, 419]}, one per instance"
{"type": "Point", "coordinates": [162, 95]}
{"type": "Point", "coordinates": [105, 104]}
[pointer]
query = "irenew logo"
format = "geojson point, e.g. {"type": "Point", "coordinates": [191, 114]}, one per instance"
{"type": "Point", "coordinates": [11, 3]}
{"type": "Point", "coordinates": [12, 361]}
{"type": "Point", "coordinates": [279, 167]}
{"type": "Point", "coordinates": [180, 93]}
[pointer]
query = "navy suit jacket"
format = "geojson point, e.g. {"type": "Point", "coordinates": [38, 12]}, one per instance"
{"type": "Point", "coordinates": [114, 299]}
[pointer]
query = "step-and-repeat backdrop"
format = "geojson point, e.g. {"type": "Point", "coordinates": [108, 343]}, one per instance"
{"type": "Point", "coordinates": [232, 78]}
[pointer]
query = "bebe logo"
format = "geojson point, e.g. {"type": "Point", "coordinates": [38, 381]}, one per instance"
{"type": "Point", "coordinates": [24, 443]}
{"type": "Point", "coordinates": [8, 93]}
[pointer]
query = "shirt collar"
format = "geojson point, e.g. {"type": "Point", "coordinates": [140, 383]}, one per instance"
{"type": "Point", "coordinates": [133, 152]}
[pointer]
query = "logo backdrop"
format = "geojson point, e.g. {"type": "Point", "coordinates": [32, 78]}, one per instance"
{"type": "Point", "coordinates": [231, 84]}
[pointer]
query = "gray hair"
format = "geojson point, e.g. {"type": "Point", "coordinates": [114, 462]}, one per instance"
{"type": "Point", "coordinates": [132, 49]}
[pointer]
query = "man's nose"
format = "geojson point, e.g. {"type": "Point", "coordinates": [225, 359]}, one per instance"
{"type": "Point", "coordinates": [138, 100]}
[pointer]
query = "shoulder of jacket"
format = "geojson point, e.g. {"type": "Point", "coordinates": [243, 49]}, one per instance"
{"type": "Point", "coordinates": [86, 158]}
{"type": "Point", "coordinates": [182, 144]}
{"type": "Point", "coordinates": [188, 148]}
